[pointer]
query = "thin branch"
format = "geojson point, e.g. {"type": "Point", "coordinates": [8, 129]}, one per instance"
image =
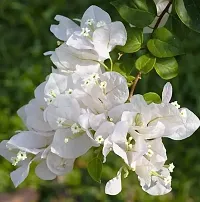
{"type": "Point", "coordinates": [162, 15]}
{"type": "Point", "coordinates": [138, 77]}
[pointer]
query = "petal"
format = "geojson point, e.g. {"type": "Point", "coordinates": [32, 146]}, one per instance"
{"type": "Point", "coordinates": [107, 37]}
{"type": "Point", "coordinates": [74, 148]}
{"type": "Point", "coordinates": [120, 152]}
{"type": "Point", "coordinates": [107, 146]}
{"type": "Point", "coordinates": [95, 13]}
{"type": "Point", "coordinates": [29, 141]}
{"type": "Point", "coordinates": [20, 174]}
{"type": "Point", "coordinates": [78, 41]}
{"type": "Point", "coordinates": [67, 58]}
{"type": "Point", "coordinates": [96, 120]}
{"type": "Point", "coordinates": [114, 186]}
{"type": "Point", "coordinates": [64, 29]}
{"type": "Point", "coordinates": [43, 172]}
{"type": "Point", "coordinates": [39, 94]}
{"type": "Point", "coordinates": [5, 152]}
{"type": "Point", "coordinates": [120, 133]}
{"type": "Point", "coordinates": [190, 123]}
{"type": "Point", "coordinates": [104, 130]}
{"type": "Point", "coordinates": [58, 165]}
{"type": "Point", "coordinates": [117, 90]}
{"type": "Point", "coordinates": [167, 93]}
{"type": "Point", "coordinates": [57, 83]}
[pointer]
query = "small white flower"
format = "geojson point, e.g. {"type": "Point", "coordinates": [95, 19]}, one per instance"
{"type": "Point", "coordinates": [171, 167]}
{"type": "Point", "coordinates": [60, 121]}
{"type": "Point", "coordinates": [89, 22]}
{"type": "Point", "coordinates": [150, 153]}
{"type": "Point", "coordinates": [175, 103]}
{"type": "Point", "coordinates": [85, 32]}
{"type": "Point", "coordinates": [183, 113]}
{"type": "Point", "coordinates": [103, 84]}
{"type": "Point", "coordinates": [99, 139]}
{"type": "Point", "coordinates": [69, 91]}
{"type": "Point", "coordinates": [101, 24]}
{"type": "Point", "coordinates": [167, 180]}
{"type": "Point", "coordinates": [75, 128]}
{"type": "Point", "coordinates": [66, 140]}
{"type": "Point", "coordinates": [48, 100]}
{"type": "Point", "coordinates": [21, 155]}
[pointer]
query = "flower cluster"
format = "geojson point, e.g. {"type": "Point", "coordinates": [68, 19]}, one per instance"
{"type": "Point", "coordinates": [80, 105]}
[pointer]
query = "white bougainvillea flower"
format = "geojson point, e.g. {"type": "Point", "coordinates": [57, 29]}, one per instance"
{"type": "Point", "coordinates": [160, 182]}
{"type": "Point", "coordinates": [180, 123]}
{"type": "Point", "coordinates": [96, 32]}
{"type": "Point", "coordinates": [101, 92]}
{"type": "Point", "coordinates": [20, 151]}
{"type": "Point", "coordinates": [32, 113]}
{"type": "Point", "coordinates": [72, 138]}
{"type": "Point", "coordinates": [160, 5]}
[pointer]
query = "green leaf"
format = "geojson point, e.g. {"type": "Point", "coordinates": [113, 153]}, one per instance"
{"type": "Point", "coordinates": [134, 40]}
{"type": "Point", "coordinates": [145, 63]}
{"type": "Point", "coordinates": [167, 68]}
{"type": "Point", "coordinates": [152, 97]}
{"type": "Point", "coordinates": [164, 44]}
{"type": "Point", "coordinates": [140, 13]}
{"type": "Point", "coordinates": [95, 169]}
{"type": "Point", "coordinates": [189, 13]}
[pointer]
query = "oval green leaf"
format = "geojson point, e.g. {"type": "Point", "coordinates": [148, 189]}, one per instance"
{"type": "Point", "coordinates": [165, 44]}
{"type": "Point", "coordinates": [189, 13]}
{"type": "Point", "coordinates": [134, 40]}
{"type": "Point", "coordinates": [167, 68]}
{"type": "Point", "coordinates": [145, 63]}
{"type": "Point", "coordinates": [95, 169]}
{"type": "Point", "coordinates": [140, 13]}
{"type": "Point", "coordinates": [152, 97]}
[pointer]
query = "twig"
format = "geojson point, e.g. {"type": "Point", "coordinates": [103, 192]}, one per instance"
{"type": "Point", "coordinates": [162, 15]}
{"type": "Point", "coordinates": [138, 77]}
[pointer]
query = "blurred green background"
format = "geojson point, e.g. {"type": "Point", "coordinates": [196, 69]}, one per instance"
{"type": "Point", "coordinates": [24, 37]}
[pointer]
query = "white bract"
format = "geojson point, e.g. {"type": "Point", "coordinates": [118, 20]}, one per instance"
{"type": "Point", "coordinates": [80, 106]}
{"type": "Point", "coordinates": [94, 39]}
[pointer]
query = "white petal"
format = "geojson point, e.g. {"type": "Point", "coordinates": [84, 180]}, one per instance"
{"type": "Point", "coordinates": [95, 13]}
{"type": "Point", "coordinates": [64, 29]}
{"type": "Point", "coordinates": [190, 124]}
{"type": "Point", "coordinates": [79, 42]}
{"type": "Point", "coordinates": [117, 90]}
{"type": "Point", "coordinates": [167, 93]}
{"type": "Point", "coordinates": [57, 83]}
{"type": "Point", "coordinates": [58, 165]}
{"type": "Point", "coordinates": [20, 174]}
{"type": "Point", "coordinates": [96, 120]}
{"type": "Point", "coordinates": [67, 58]}
{"type": "Point", "coordinates": [114, 186]}
{"type": "Point", "coordinates": [74, 147]}
{"type": "Point", "coordinates": [5, 152]}
{"type": "Point", "coordinates": [107, 37]}
{"type": "Point", "coordinates": [22, 114]}
{"type": "Point", "coordinates": [120, 133]}
{"type": "Point", "coordinates": [43, 172]}
{"type": "Point", "coordinates": [29, 141]}
{"type": "Point", "coordinates": [105, 130]}
{"type": "Point", "coordinates": [120, 152]}
{"type": "Point", "coordinates": [106, 148]}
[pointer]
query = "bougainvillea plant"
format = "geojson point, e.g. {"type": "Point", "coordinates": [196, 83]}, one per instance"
{"type": "Point", "coordinates": [89, 101]}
